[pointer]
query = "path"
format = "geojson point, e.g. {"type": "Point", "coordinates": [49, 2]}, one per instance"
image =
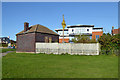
{"type": "Point", "coordinates": [3, 54]}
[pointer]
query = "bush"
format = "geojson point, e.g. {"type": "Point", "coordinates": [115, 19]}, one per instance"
{"type": "Point", "coordinates": [83, 39]}
{"type": "Point", "coordinates": [109, 44]}
{"type": "Point", "coordinates": [3, 45]}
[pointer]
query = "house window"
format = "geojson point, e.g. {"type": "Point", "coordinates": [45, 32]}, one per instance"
{"type": "Point", "coordinates": [97, 36]}
{"type": "Point", "coordinates": [87, 29]}
{"type": "Point", "coordinates": [46, 39]}
{"type": "Point", "coordinates": [50, 40]}
{"type": "Point", "coordinates": [72, 30]}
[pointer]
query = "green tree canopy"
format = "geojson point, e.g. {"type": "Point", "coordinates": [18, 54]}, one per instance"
{"type": "Point", "coordinates": [82, 39]}
{"type": "Point", "coordinates": [109, 43]}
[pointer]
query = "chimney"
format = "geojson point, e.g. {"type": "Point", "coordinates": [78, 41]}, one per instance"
{"type": "Point", "coordinates": [112, 29]}
{"type": "Point", "coordinates": [26, 25]}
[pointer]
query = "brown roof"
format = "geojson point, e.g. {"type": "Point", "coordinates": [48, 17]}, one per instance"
{"type": "Point", "coordinates": [38, 28]}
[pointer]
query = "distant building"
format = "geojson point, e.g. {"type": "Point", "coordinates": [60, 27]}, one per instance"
{"type": "Point", "coordinates": [5, 40]}
{"type": "Point", "coordinates": [12, 42]}
{"type": "Point", "coordinates": [66, 35]}
{"type": "Point", "coordinates": [27, 38]}
{"type": "Point", "coordinates": [115, 31]}
{"type": "Point", "coordinates": [72, 31]}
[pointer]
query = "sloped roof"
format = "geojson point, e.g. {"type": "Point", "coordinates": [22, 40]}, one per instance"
{"type": "Point", "coordinates": [38, 28]}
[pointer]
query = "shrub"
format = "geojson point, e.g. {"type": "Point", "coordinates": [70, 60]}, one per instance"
{"type": "Point", "coordinates": [82, 39]}
{"type": "Point", "coordinates": [109, 43]}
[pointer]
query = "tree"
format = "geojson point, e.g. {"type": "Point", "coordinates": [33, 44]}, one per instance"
{"type": "Point", "coordinates": [82, 39]}
{"type": "Point", "coordinates": [109, 44]}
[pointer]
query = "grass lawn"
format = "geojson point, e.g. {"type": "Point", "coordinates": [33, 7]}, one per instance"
{"type": "Point", "coordinates": [24, 65]}
{"type": "Point", "coordinates": [6, 49]}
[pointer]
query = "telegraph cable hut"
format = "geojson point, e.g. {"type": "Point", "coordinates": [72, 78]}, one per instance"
{"type": "Point", "coordinates": [27, 38]}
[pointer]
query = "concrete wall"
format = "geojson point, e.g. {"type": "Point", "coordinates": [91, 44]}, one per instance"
{"type": "Point", "coordinates": [70, 48]}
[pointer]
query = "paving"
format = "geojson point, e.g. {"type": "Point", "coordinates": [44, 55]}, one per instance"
{"type": "Point", "coordinates": [4, 54]}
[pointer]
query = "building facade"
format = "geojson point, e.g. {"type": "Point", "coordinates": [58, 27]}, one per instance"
{"type": "Point", "coordinates": [115, 31]}
{"type": "Point", "coordinates": [27, 38]}
{"type": "Point", "coordinates": [72, 31]}
{"type": "Point", "coordinates": [5, 40]}
{"type": "Point", "coordinates": [66, 35]}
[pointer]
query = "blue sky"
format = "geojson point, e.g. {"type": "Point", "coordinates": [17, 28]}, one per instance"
{"type": "Point", "coordinates": [49, 14]}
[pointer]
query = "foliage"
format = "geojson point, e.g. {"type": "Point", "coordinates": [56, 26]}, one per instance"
{"type": "Point", "coordinates": [3, 45]}
{"type": "Point", "coordinates": [26, 65]}
{"type": "Point", "coordinates": [12, 42]}
{"type": "Point", "coordinates": [6, 45]}
{"type": "Point", "coordinates": [109, 43]}
{"type": "Point", "coordinates": [82, 39]}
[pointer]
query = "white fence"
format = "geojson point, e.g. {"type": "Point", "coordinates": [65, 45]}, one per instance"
{"type": "Point", "coordinates": [70, 48]}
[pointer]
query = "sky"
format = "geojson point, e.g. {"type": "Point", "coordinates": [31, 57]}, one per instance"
{"type": "Point", "coordinates": [49, 14]}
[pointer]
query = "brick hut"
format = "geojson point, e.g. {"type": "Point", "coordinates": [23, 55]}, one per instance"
{"type": "Point", "coordinates": [27, 38]}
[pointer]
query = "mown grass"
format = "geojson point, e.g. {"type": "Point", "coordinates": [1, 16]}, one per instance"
{"type": "Point", "coordinates": [24, 65]}
{"type": "Point", "coordinates": [7, 49]}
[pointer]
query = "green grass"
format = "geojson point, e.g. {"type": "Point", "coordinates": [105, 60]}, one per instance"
{"type": "Point", "coordinates": [5, 50]}
{"type": "Point", "coordinates": [24, 65]}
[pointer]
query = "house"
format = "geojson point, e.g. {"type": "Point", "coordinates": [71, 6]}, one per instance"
{"type": "Point", "coordinates": [72, 30]}
{"type": "Point", "coordinates": [12, 42]}
{"type": "Point", "coordinates": [27, 39]}
{"type": "Point", "coordinates": [4, 40]}
{"type": "Point", "coordinates": [115, 31]}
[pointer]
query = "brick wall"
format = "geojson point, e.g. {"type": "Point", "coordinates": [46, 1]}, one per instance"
{"type": "Point", "coordinates": [65, 39]}
{"type": "Point", "coordinates": [26, 42]}
{"type": "Point", "coordinates": [96, 33]}
{"type": "Point", "coordinates": [40, 37]}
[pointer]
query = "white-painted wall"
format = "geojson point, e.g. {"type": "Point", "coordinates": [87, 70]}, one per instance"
{"type": "Point", "coordinates": [61, 33]}
{"type": "Point", "coordinates": [80, 30]}
{"type": "Point", "coordinates": [97, 30]}
{"type": "Point", "coordinates": [64, 37]}
{"type": "Point", "coordinates": [70, 48]}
